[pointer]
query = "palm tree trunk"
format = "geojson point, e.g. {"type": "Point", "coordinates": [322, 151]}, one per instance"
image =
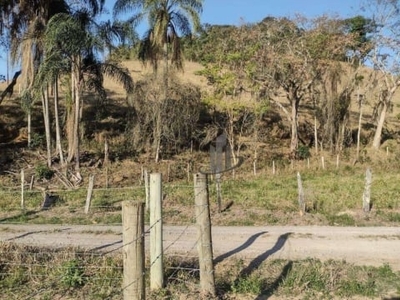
{"type": "Point", "coordinates": [159, 121]}
{"type": "Point", "coordinates": [77, 96]}
{"type": "Point", "coordinates": [46, 117]}
{"type": "Point", "coordinates": [57, 120]}
{"type": "Point", "coordinates": [70, 122]}
{"type": "Point", "coordinates": [157, 133]}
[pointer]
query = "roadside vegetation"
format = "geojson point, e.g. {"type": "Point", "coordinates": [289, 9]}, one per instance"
{"type": "Point", "coordinates": [38, 273]}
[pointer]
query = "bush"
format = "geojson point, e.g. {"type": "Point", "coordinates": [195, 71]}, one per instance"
{"type": "Point", "coordinates": [73, 274]}
{"type": "Point", "coordinates": [44, 172]}
{"type": "Point", "coordinates": [303, 152]}
{"type": "Point", "coordinates": [37, 141]}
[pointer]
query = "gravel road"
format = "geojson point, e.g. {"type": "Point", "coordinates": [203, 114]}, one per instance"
{"type": "Point", "coordinates": [359, 245]}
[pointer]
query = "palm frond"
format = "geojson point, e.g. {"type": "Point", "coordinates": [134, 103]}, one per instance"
{"type": "Point", "coordinates": [176, 59]}
{"type": "Point", "coordinates": [148, 51]}
{"type": "Point", "coordinates": [181, 22]}
{"type": "Point", "coordinates": [124, 6]}
{"type": "Point", "coordinates": [118, 74]}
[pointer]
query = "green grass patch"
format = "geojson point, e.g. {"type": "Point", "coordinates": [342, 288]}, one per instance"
{"type": "Point", "coordinates": [340, 220]}
{"type": "Point", "coordinates": [257, 200]}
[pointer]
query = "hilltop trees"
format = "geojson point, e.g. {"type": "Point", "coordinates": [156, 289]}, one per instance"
{"type": "Point", "coordinates": [237, 106]}
{"type": "Point", "coordinates": [308, 68]}
{"type": "Point", "coordinates": [296, 59]}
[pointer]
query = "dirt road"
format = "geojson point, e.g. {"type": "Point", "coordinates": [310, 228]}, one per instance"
{"type": "Point", "coordinates": [359, 245]}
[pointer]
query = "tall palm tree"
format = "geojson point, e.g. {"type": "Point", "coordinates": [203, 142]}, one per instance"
{"type": "Point", "coordinates": [167, 19]}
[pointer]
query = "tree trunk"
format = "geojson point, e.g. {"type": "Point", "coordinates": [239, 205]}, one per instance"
{"type": "Point", "coordinates": [70, 122]}
{"type": "Point", "coordinates": [77, 96]}
{"type": "Point", "coordinates": [46, 118]}
{"type": "Point", "coordinates": [294, 141]}
{"type": "Point", "coordinates": [378, 133]}
{"type": "Point", "coordinates": [315, 135]}
{"type": "Point", "coordinates": [159, 122]}
{"type": "Point", "coordinates": [157, 137]}
{"type": "Point", "coordinates": [74, 117]}
{"type": "Point", "coordinates": [359, 125]}
{"type": "Point", "coordinates": [29, 127]}
{"type": "Point", "coordinates": [57, 120]}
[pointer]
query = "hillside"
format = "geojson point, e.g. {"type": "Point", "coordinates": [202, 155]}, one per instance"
{"type": "Point", "coordinates": [262, 190]}
{"type": "Point", "coordinates": [13, 130]}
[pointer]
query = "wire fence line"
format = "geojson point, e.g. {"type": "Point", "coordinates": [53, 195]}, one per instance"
{"type": "Point", "coordinates": [74, 266]}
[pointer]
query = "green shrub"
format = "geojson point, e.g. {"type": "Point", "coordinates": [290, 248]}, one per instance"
{"type": "Point", "coordinates": [72, 274]}
{"type": "Point", "coordinates": [37, 141]}
{"type": "Point", "coordinates": [44, 172]}
{"type": "Point", "coordinates": [303, 152]}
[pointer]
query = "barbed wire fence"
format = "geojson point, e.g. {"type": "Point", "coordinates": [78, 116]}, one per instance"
{"type": "Point", "coordinates": [82, 267]}
{"type": "Point", "coordinates": [106, 268]}
{"type": "Point", "coordinates": [75, 267]}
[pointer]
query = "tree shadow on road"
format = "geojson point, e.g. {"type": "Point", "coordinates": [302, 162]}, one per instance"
{"type": "Point", "coordinates": [32, 232]}
{"type": "Point", "coordinates": [245, 245]}
{"type": "Point", "coordinates": [255, 263]}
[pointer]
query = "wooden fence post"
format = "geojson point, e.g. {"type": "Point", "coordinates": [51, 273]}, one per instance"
{"type": "Point", "coordinates": [31, 183]}
{"type": "Point", "coordinates": [106, 160]}
{"type": "Point", "coordinates": [302, 204]}
{"type": "Point", "coordinates": [133, 250]}
{"type": "Point", "coordinates": [204, 246]}
{"type": "Point", "coordinates": [156, 233]}
{"type": "Point", "coordinates": [367, 191]}
{"type": "Point", "coordinates": [89, 194]}
{"type": "Point", "coordinates": [218, 189]}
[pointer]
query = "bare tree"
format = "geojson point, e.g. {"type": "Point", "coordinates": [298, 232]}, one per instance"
{"type": "Point", "coordinates": [172, 121]}
{"type": "Point", "coordinates": [384, 56]}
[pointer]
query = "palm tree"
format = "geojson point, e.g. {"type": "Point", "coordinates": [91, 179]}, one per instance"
{"type": "Point", "coordinates": [26, 22]}
{"type": "Point", "coordinates": [167, 19]}
{"type": "Point", "coordinates": [71, 43]}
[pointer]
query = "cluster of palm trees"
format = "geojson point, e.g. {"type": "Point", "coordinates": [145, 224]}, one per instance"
{"type": "Point", "coordinates": [62, 41]}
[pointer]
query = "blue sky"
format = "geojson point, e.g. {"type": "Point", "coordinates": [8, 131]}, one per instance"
{"type": "Point", "coordinates": [231, 11]}
{"type": "Point", "coordinates": [234, 12]}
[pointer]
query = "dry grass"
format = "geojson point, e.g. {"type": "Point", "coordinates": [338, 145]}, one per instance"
{"type": "Point", "coordinates": [43, 273]}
